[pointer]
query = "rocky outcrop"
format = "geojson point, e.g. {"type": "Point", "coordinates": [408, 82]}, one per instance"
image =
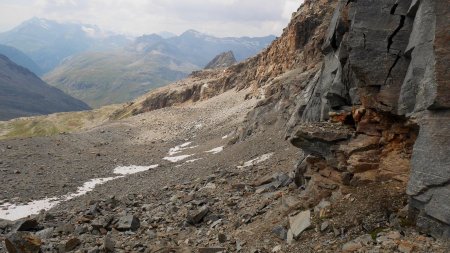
{"type": "Point", "coordinates": [383, 77]}
{"type": "Point", "coordinates": [296, 51]}
{"type": "Point", "coordinates": [223, 60]}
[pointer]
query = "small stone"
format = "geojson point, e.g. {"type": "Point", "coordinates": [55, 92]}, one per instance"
{"type": "Point", "coordinates": [72, 244]}
{"type": "Point", "coordinates": [280, 231]}
{"type": "Point", "coordinates": [276, 248]}
{"type": "Point", "coordinates": [28, 225]}
{"type": "Point", "coordinates": [290, 237]}
{"type": "Point", "coordinates": [264, 180]}
{"type": "Point", "coordinates": [324, 226]}
{"type": "Point", "coordinates": [336, 232]}
{"type": "Point", "coordinates": [108, 243]}
{"type": "Point", "coordinates": [197, 216]}
{"type": "Point", "coordinates": [289, 201]}
{"type": "Point", "coordinates": [222, 238]}
{"type": "Point", "coordinates": [23, 242]}
{"type": "Point", "coordinates": [351, 247]}
{"type": "Point", "coordinates": [300, 223]}
{"type": "Point", "coordinates": [323, 204]}
{"type": "Point", "coordinates": [128, 222]}
{"type": "Point", "coordinates": [394, 235]}
{"type": "Point", "coordinates": [45, 233]}
{"type": "Point", "coordinates": [283, 180]}
{"type": "Point", "coordinates": [16, 172]}
{"type": "Point", "coordinates": [405, 247]}
{"type": "Point", "coordinates": [151, 234]}
{"type": "Point", "coordinates": [101, 222]}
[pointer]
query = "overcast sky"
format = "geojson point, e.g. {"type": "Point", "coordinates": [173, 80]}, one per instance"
{"type": "Point", "coordinates": [136, 17]}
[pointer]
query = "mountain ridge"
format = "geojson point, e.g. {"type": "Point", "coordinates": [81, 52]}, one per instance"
{"type": "Point", "coordinates": [24, 94]}
{"type": "Point", "coordinates": [20, 58]}
{"type": "Point", "coordinates": [148, 63]}
{"type": "Point", "coordinates": [48, 42]}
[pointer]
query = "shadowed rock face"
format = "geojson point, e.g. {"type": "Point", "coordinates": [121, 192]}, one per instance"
{"type": "Point", "coordinates": [384, 67]}
{"type": "Point", "coordinates": [223, 60]}
{"type": "Point", "coordinates": [22, 93]}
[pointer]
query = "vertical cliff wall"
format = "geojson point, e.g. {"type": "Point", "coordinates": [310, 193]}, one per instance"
{"type": "Point", "coordinates": [385, 78]}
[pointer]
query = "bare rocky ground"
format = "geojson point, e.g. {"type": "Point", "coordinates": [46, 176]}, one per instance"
{"type": "Point", "coordinates": [241, 199]}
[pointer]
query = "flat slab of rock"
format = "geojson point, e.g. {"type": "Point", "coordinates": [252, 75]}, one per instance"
{"type": "Point", "coordinates": [128, 222]}
{"type": "Point", "coordinates": [299, 223]}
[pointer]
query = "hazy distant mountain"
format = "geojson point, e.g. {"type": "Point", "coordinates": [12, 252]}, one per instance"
{"type": "Point", "coordinates": [151, 61]}
{"type": "Point", "coordinates": [199, 48]}
{"type": "Point", "coordinates": [167, 35]}
{"type": "Point", "coordinates": [103, 78]}
{"type": "Point", "coordinates": [20, 58]}
{"type": "Point", "coordinates": [48, 42]}
{"type": "Point", "coordinates": [22, 93]}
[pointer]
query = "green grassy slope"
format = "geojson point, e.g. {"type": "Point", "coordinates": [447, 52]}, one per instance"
{"type": "Point", "coordinates": [104, 78]}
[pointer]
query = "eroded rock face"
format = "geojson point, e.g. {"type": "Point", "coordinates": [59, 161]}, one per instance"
{"type": "Point", "coordinates": [385, 75]}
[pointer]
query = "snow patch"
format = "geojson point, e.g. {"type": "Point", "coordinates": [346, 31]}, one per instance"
{"type": "Point", "coordinates": [180, 148]}
{"type": "Point", "coordinates": [224, 137]}
{"type": "Point", "coordinates": [193, 160]}
{"type": "Point", "coordinates": [127, 170]}
{"type": "Point", "coordinates": [14, 212]}
{"type": "Point", "coordinates": [175, 159]}
{"type": "Point", "coordinates": [257, 160]}
{"type": "Point", "coordinates": [10, 211]}
{"type": "Point", "coordinates": [215, 150]}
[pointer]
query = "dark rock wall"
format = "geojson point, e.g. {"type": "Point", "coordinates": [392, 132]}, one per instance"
{"type": "Point", "coordinates": [385, 74]}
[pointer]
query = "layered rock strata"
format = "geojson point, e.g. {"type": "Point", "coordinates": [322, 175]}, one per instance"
{"type": "Point", "coordinates": [385, 77]}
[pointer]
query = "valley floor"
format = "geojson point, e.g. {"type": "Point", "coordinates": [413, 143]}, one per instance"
{"type": "Point", "coordinates": [224, 196]}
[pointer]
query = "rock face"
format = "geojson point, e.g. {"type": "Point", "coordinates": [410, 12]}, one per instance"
{"type": "Point", "coordinates": [383, 76]}
{"type": "Point", "coordinates": [223, 60]}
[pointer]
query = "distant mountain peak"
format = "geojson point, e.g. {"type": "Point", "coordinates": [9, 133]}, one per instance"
{"type": "Point", "coordinates": [193, 33]}
{"type": "Point", "coordinates": [222, 60]}
{"type": "Point", "coordinates": [39, 22]}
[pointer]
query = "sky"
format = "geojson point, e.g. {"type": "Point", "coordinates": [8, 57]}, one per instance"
{"type": "Point", "coordinates": [136, 17]}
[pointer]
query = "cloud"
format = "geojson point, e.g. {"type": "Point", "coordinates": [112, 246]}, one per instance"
{"type": "Point", "coordinates": [217, 17]}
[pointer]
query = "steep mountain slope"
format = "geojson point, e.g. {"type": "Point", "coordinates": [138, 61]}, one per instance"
{"type": "Point", "coordinates": [200, 48]}
{"type": "Point", "coordinates": [116, 77]}
{"type": "Point", "coordinates": [22, 93]}
{"type": "Point", "coordinates": [151, 61]}
{"type": "Point", "coordinates": [20, 58]}
{"type": "Point", "coordinates": [48, 42]}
